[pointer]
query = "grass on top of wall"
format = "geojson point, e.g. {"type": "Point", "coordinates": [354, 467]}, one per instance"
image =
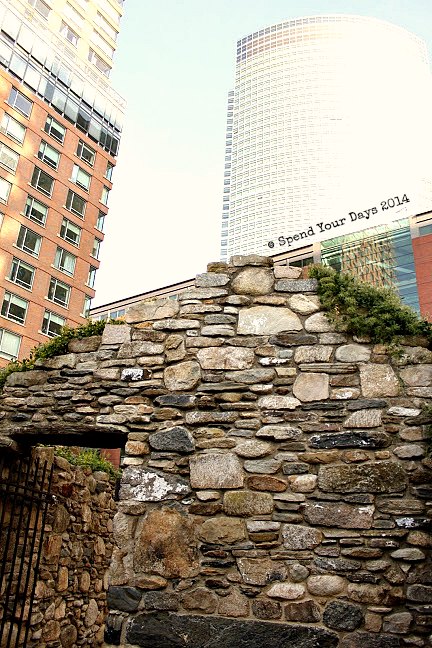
{"type": "Point", "coordinates": [363, 310]}
{"type": "Point", "coordinates": [54, 347]}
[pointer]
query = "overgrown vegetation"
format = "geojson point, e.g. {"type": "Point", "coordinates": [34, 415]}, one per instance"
{"type": "Point", "coordinates": [56, 346]}
{"type": "Point", "coordinates": [365, 311]}
{"type": "Point", "coordinates": [87, 458]}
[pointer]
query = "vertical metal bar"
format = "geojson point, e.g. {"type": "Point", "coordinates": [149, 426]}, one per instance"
{"type": "Point", "coordinates": [14, 501]}
{"type": "Point", "coordinates": [36, 567]}
{"type": "Point", "coordinates": [35, 497]}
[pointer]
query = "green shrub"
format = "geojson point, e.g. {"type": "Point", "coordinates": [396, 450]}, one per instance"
{"type": "Point", "coordinates": [363, 310]}
{"type": "Point", "coordinates": [54, 347]}
{"type": "Point", "coordinates": [87, 458]}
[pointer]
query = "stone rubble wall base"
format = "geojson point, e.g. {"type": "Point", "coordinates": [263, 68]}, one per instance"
{"type": "Point", "coordinates": [277, 488]}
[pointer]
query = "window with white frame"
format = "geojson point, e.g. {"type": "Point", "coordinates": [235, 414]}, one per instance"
{"type": "Point", "coordinates": [59, 292]}
{"type": "Point", "coordinates": [52, 324]}
{"type": "Point", "coordinates": [14, 307]}
{"type": "Point", "coordinates": [75, 203]}
{"type": "Point", "coordinates": [55, 129]}
{"type": "Point", "coordinates": [100, 221]}
{"type": "Point", "coordinates": [80, 177]}
{"type": "Point", "coordinates": [12, 128]}
{"type": "Point", "coordinates": [8, 158]}
{"type": "Point", "coordinates": [9, 344]}
{"type": "Point", "coordinates": [109, 171]}
{"type": "Point", "coordinates": [48, 154]}
{"type": "Point", "coordinates": [22, 273]}
{"type": "Point", "coordinates": [42, 181]}
{"type": "Point", "coordinates": [5, 189]}
{"type": "Point", "coordinates": [98, 62]}
{"type": "Point", "coordinates": [105, 195]}
{"type": "Point", "coordinates": [65, 261]}
{"type": "Point", "coordinates": [35, 210]}
{"type": "Point", "coordinates": [20, 102]}
{"type": "Point", "coordinates": [70, 232]}
{"type": "Point", "coordinates": [91, 277]}
{"type": "Point", "coordinates": [86, 306]}
{"type": "Point", "coordinates": [105, 26]}
{"type": "Point", "coordinates": [40, 6]}
{"type": "Point", "coordinates": [96, 248]}
{"type": "Point", "coordinates": [86, 153]}
{"type": "Point", "coordinates": [102, 44]}
{"type": "Point", "coordinates": [68, 33]}
{"type": "Point", "coordinates": [29, 241]}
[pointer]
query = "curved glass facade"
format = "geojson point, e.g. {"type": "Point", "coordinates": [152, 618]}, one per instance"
{"type": "Point", "coordinates": [327, 113]}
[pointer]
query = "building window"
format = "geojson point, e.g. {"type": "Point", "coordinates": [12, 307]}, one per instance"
{"type": "Point", "coordinates": [14, 308]}
{"type": "Point", "coordinates": [65, 261]}
{"type": "Point", "coordinates": [105, 26]}
{"type": "Point", "coordinates": [102, 44]}
{"type": "Point", "coordinates": [55, 129]}
{"type": "Point", "coordinates": [59, 292]}
{"type": "Point", "coordinates": [22, 273]}
{"type": "Point", "coordinates": [20, 102]}
{"type": "Point", "coordinates": [105, 195]}
{"type": "Point", "coordinates": [96, 248]}
{"type": "Point", "coordinates": [8, 158]}
{"type": "Point", "coordinates": [91, 277]}
{"type": "Point", "coordinates": [81, 177]}
{"type": "Point", "coordinates": [9, 344]}
{"type": "Point", "coordinates": [52, 324]}
{"type": "Point", "coordinates": [86, 153]}
{"type": "Point", "coordinates": [48, 154]}
{"type": "Point", "coordinates": [12, 128]}
{"type": "Point", "coordinates": [35, 210]}
{"type": "Point", "coordinates": [40, 7]}
{"type": "Point", "coordinates": [100, 221]}
{"type": "Point", "coordinates": [70, 232]}
{"type": "Point", "coordinates": [98, 62]}
{"type": "Point", "coordinates": [69, 34]}
{"type": "Point", "coordinates": [29, 241]}
{"type": "Point", "coordinates": [5, 188]}
{"type": "Point", "coordinates": [109, 171]}
{"type": "Point", "coordinates": [75, 203]}
{"type": "Point", "coordinates": [86, 306]}
{"type": "Point", "coordinates": [42, 181]}
{"type": "Point", "coordinates": [425, 229]}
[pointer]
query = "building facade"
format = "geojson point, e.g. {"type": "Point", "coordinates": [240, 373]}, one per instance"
{"type": "Point", "coordinates": [60, 126]}
{"type": "Point", "coordinates": [329, 116]}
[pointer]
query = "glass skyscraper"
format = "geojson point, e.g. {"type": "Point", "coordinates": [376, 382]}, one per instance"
{"type": "Point", "coordinates": [329, 115]}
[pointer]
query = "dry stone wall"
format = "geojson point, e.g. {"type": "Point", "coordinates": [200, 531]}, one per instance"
{"type": "Point", "coordinates": [277, 489]}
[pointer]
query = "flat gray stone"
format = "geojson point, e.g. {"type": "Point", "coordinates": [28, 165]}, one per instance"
{"type": "Point", "coordinates": [116, 334]}
{"type": "Point", "coordinates": [213, 470]}
{"type": "Point", "coordinates": [247, 503]}
{"type": "Point", "coordinates": [340, 514]}
{"type": "Point", "coordinates": [252, 449]}
{"type": "Point", "coordinates": [139, 348]}
{"type": "Point", "coordinates": [176, 439]}
{"type": "Point", "coordinates": [211, 280]}
{"type": "Point", "coordinates": [304, 304]}
{"type": "Point", "coordinates": [287, 272]}
{"type": "Point", "coordinates": [311, 387]}
{"type": "Point", "coordinates": [253, 281]}
{"type": "Point", "coordinates": [318, 323]}
{"type": "Point", "coordinates": [148, 485]}
{"type": "Point", "coordinates": [240, 260]}
{"type": "Point", "coordinates": [182, 376]}
{"type": "Point", "coordinates": [367, 418]}
{"type": "Point", "coordinates": [262, 466]}
{"type": "Point", "coordinates": [226, 358]}
{"type": "Point", "coordinates": [378, 380]}
{"type": "Point", "coordinates": [353, 353]}
{"type": "Point", "coordinates": [176, 324]}
{"type": "Point", "coordinates": [315, 353]}
{"type": "Point", "coordinates": [296, 285]}
{"type": "Point", "coordinates": [379, 477]}
{"type": "Point", "coordinates": [298, 538]}
{"type": "Point", "coordinates": [147, 311]}
{"type": "Point", "coordinates": [419, 376]}
{"type": "Point", "coordinates": [280, 432]}
{"type": "Point", "coordinates": [267, 320]}
{"type": "Point", "coordinates": [278, 402]}
{"type": "Point", "coordinates": [251, 376]}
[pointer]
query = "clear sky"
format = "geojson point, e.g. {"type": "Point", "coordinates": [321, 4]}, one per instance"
{"type": "Point", "coordinates": [174, 66]}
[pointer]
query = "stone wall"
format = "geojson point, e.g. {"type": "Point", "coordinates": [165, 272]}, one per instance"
{"type": "Point", "coordinates": [276, 488]}
{"type": "Point", "coordinates": [70, 605]}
